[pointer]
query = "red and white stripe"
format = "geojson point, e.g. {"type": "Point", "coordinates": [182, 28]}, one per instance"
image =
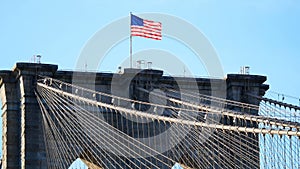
{"type": "Point", "coordinates": [150, 29]}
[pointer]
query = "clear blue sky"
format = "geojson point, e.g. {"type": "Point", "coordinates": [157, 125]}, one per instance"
{"type": "Point", "coordinates": [262, 34]}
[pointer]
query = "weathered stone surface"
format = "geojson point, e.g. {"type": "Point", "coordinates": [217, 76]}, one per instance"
{"type": "Point", "coordinates": [23, 137]}
{"type": "Point", "coordinates": [10, 120]}
{"type": "Point", "coordinates": [22, 130]}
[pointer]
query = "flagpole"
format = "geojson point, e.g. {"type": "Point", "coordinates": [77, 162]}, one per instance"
{"type": "Point", "coordinates": [130, 43]}
{"type": "Point", "coordinates": [130, 51]}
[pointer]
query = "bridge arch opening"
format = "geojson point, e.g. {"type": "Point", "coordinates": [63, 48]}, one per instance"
{"type": "Point", "coordinates": [78, 163]}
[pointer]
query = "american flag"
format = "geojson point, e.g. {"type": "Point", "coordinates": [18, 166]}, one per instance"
{"type": "Point", "coordinates": [145, 28]}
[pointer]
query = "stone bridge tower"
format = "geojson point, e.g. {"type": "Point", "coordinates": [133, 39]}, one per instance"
{"type": "Point", "coordinates": [23, 139]}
